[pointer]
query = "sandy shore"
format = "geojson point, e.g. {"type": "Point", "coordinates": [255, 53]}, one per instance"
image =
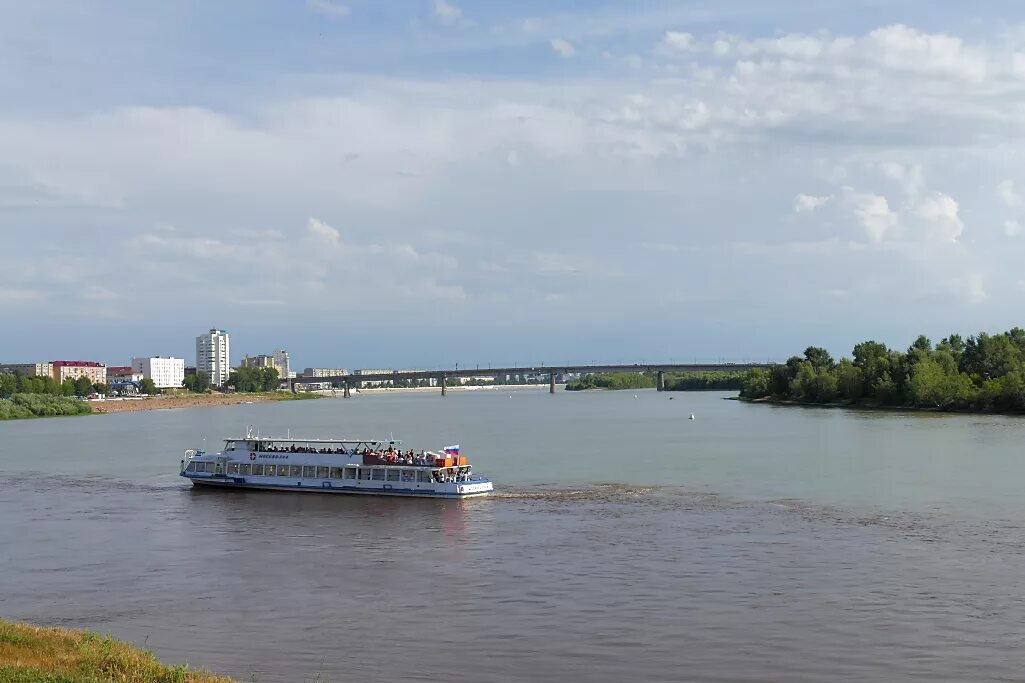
{"type": "Point", "coordinates": [188, 401]}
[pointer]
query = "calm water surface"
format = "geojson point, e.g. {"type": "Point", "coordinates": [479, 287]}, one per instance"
{"type": "Point", "coordinates": [751, 544]}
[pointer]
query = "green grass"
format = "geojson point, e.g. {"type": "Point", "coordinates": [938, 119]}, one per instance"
{"type": "Point", "coordinates": [30, 654]}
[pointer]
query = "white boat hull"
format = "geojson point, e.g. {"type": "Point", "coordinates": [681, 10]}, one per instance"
{"type": "Point", "coordinates": [470, 489]}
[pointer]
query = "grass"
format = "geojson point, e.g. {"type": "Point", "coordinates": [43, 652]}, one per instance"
{"type": "Point", "coordinates": [31, 654]}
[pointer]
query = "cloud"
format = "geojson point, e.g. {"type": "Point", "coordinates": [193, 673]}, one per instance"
{"type": "Point", "coordinates": [677, 41]}
{"type": "Point", "coordinates": [563, 47]}
{"type": "Point", "coordinates": [874, 214]}
{"type": "Point", "coordinates": [804, 203]}
{"type": "Point", "coordinates": [1007, 193]}
{"type": "Point", "coordinates": [446, 12]}
{"type": "Point", "coordinates": [331, 9]}
{"type": "Point", "coordinates": [1013, 228]}
{"type": "Point", "coordinates": [323, 233]}
{"type": "Point", "coordinates": [941, 215]}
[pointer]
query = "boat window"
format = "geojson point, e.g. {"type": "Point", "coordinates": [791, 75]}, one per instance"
{"type": "Point", "coordinates": [229, 445]}
{"type": "Point", "coordinates": [309, 472]}
{"type": "Point", "coordinates": [295, 470]}
{"type": "Point", "coordinates": [408, 475]}
{"type": "Point", "coordinates": [336, 472]}
{"type": "Point", "coordinates": [322, 472]}
{"type": "Point", "coordinates": [393, 475]}
{"type": "Point", "coordinates": [233, 468]}
{"type": "Point", "coordinates": [421, 476]}
{"type": "Point", "coordinates": [282, 470]}
{"type": "Point", "coordinates": [258, 470]}
{"type": "Point", "coordinates": [244, 468]}
{"type": "Point", "coordinates": [208, 467]}
{"type": "Point", "coordinates": [350, 472]}
{"type": "Point", "coordinates": [364, 473]}
{"type": "Point", "coordinates": [270, 470]}
{"type": "Point", "coordinates": [191, 467]}
{"type": "Point", "coordinates": [378, 475]}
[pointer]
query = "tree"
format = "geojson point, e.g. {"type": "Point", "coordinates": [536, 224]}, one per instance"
{"type": "Point", "coordinates": [83, 387]}
{"type": "Point", "coordinates": [818, 357]}
{"type": "Point", "coordinates": [147, 386]}
{"type": "Point", "coordinates": [68, 387]}
{"type": "Point", "coordinates": [202, 381]}
{"type": "Point", "coordinates": [757, 383]}
{"type": "Point", "coordinates": [101, 388]}
{"type": "Point", "coordinates": [189, 383]}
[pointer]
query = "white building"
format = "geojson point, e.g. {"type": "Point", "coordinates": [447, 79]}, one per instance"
{"type": "Point", "coordinates": [282, 362]}
{"type": "Point", "coordinates": [166, 373]}
{"type": "Point", "coordinates": [213, 356]}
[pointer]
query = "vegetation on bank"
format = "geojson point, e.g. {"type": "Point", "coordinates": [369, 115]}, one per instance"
{"type": "Point", "coordinates": [704, 381]}
{"type": "Point", "coordinates": [983, 373]}
{"type": "Point", "coordinates": [688, 381]}
{"type": "Point", "coordinates": [24, 406]}
{"type": "Point", "coordinates": [612, 380]}
{"type": "Point", "coordinates": [11, 384]}
{"type": "Point", "coordinates": [253, 379]}
{"type": "Point", "coordinates": [30, 654]}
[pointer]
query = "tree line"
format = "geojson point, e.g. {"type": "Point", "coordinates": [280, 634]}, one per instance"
{"type": "Point", "coordinates": [984, 373]}
{"type": "Point", "coordinates": [687, 381]}
{"type": "Point", "coordinates": [253, 379]}
{"type": "Point", "coordinates": [14, 383]}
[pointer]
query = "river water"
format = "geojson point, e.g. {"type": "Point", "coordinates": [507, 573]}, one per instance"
{"type": "Point", "coordinates": [754, 543]}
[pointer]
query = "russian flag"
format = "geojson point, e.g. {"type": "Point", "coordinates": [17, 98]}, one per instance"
{"type": "Point", "coordinates": [452, 450]}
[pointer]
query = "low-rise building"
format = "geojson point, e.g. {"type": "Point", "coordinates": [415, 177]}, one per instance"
{"type": "Point", "coordinates": [166, 372]}
{"type": "Point", "coordinates": [28, 369]}
{"type": "Point", "coordinates": [122, 373]}
{"type": "Point", "coordinates": [73, 369]}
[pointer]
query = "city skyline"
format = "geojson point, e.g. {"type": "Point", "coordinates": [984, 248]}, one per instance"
{"type": "Point", "coordinates": [415, 184]}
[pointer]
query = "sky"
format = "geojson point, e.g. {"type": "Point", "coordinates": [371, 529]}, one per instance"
{"type": "Point", "coordinates": [419, 183]}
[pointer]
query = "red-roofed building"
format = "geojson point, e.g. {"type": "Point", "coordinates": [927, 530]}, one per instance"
{"type": "Point", "coordinates": [73, 369]}
{"type": "Point", "coordinates": [122, 373]}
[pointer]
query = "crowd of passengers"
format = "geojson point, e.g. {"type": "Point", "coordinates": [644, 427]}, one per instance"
{"type": "Point", "coordinates": [389, 455]}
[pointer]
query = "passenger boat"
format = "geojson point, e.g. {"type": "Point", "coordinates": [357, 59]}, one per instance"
{"type": "Point", "coordinates": [359, 466]}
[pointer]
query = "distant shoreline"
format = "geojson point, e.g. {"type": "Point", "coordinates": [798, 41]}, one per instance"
{"type": "Point", "coordinates": [870, 407]}
{"type": "Point", "coordinates": [131, 405]}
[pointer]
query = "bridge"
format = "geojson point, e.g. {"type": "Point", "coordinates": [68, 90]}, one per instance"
{"type": "Point", "coordinates": [442, 376]}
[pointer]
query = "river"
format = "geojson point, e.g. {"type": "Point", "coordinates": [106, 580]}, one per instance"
{"type": "Point", "coordinates": [753, 543]}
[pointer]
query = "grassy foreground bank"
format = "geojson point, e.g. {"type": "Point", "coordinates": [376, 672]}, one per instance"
{"type": "Point", "coordinates": [31, 654]}
{"type": "Point", "coordinates": [26, 406]}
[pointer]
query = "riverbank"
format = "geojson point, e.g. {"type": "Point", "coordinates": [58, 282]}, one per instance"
{"type": "Point", "coordinates": [874, 407]}
{"type": "Point", "coordinates": [128, 405]}
{"type": "Point", "coordinates": [32, 654]}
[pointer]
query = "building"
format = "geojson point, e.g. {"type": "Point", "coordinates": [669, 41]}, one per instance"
{"type": "Point", "coordinates": [213, 356]}
{"type": "Point", "coordinates": [283, 363]}
{"type": "Point", "coordinates": [73, 369]}
{"type": "Point", "coordinates": [325, 372]}
{"type": "Point", "coordinates": [261, 361]}
{"type": "Point", "coordinates": [166, 373]}
{"type": "Point", "coordinates": [122, 373]}
{"type": "Point", "coordinates": [28, 369]}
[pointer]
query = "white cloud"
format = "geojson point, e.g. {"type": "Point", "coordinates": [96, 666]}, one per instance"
{"type": "Point", "coordinates": [1008, 194]}
{"type": "Point", "coordinates": [323, 233]}
{"type": "Point", "coordinates": [563, 47]}
{"type": "Point", "coordinates": [1013, 228]}
{"type": "Point", "coordinates": [677, 41]}
{"type": "Point", "coordinates": [874, 214]}
{"type": "Point", "coordinates": [804, 203]}
{"type": "Point", "coordinates": [446, 12]}
{"type": "Point", "coordinates": [332, 9]}
{"type": "Point", "coordinates": [941, 215]}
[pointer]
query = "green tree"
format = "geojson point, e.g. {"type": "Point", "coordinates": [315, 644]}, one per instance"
{"type": "Point", "coordinates": [83, 387]}
{"type": "Point", "coordinates": [148, 386]}
{"type": "Point", "coordinates": [202, 381]}
{"type": "Point", "coordinates": [757, 383]}
{"type": "Point", "coordinates": [818, 357]}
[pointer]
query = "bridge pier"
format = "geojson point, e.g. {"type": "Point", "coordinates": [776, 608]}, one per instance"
{"type": "Point", "coordinates": [551, 384]}
{"type": "Point", "coordinates": [661, 382]}
{"type": "Point", "coordinates": [444, 385]}
{"type": "Point", "coordinates": [345, 390]}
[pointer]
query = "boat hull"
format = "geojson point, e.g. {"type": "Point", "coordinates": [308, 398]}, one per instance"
{"type": "Point", "coordinates": [471, 489]}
